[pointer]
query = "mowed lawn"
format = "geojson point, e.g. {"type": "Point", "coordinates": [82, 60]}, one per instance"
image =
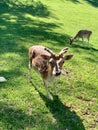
{"type": "Point", "coordinates": [24, 106]}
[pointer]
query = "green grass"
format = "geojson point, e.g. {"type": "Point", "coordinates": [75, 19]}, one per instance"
{"type": "Point", "coordinates": [24, 106]}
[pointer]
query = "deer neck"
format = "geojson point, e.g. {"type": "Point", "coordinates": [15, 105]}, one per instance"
{"type": "Point", "coordinates": [76, 36]}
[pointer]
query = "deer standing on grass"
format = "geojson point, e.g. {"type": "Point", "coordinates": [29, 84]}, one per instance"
{"type": "Point", "coordinates": [47, 63]}
{"type": "Point", "coordinates": [82, 34]}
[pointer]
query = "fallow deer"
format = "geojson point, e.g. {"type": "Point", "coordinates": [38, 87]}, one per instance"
{"type": "Point", "coordinates": [82, 34]}
{"type": "Point", "coordinates": [47, 63]}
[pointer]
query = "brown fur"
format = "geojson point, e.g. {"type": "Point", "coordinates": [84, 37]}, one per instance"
{"type": "Point", "coordinates": [82, 34]}
{"type": "Point", "coordinates": [46, 62]}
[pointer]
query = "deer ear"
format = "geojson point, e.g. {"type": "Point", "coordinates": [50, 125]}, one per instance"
{"type": "Point", "coordinates": [45, 57]}
{"type": "Point", "coordinates": [67, 57]}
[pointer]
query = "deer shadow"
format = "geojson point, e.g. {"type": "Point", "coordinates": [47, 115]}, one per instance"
{"type": "Point", "coordinates": [85, 46]}
{"type": "Point", "coordinates": [64, 117]}
{"type": "Point", "coordinates": [91, 2]}
{"type": "Point", "coordinates": [75, 1]}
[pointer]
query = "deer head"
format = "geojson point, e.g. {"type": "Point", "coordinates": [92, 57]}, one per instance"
{"type": "Point", "coordinates": [71, 40]}
{"type": "Point", "coordinates": [57, 61]}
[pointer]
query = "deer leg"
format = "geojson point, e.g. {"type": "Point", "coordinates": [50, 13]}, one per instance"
{"type": "Point", "coordinates": [47, 90]}
{"type": "Point", "coordinates": [88, 39]}
{"type": "Point", "coordinates": [29, 73]}
{"type": "Point", "coordinates": [55, 86]}
{"type": "Point", "coordinates": [82, 39]}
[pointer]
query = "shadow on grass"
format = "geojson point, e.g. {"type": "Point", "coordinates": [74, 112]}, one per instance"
{"type": "Point", "coordinates": [89, 50]}
{"type": "Point", "coordinates": [31, 7]}
{"type": "Point", "coordinates": [14, 118]}
{"type": "Point", "coordinates": [14, 62]}
{"type": "Point", "coordinates": [84, 46]}
{"type": "Point", "coordinates": [18, 24]}
{"type": "Point", "coordinates": [93, 2]}
{"type": "Point", "coordinates": [11, 76]}
{"type": "Point", "coordinates": [74, 1]}
{"type": "Point", "coordinates": [64, 117]}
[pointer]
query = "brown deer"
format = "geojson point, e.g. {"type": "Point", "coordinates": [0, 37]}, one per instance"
{"type": "Point", "coordinates": [82, 34]}
{"type": "Point", "coordinates": [47, 63]}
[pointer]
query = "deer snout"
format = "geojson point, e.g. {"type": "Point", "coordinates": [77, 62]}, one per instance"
{"type": "Point", "coordinates": [58, 73]}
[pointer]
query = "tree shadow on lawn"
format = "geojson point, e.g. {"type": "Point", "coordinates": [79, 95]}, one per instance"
{"type": "Point", "coordinates": [33, 8]}
{"type": "Point", "coordinates": [93, 2]}
{"type": "Point", "coordinates": [14, 118]}
{"type": "Point", "coordinates": [12, 76]}
{"type": "Point", "coordinates": [15, 60]}
{"type": "Point", "coordinates": [18, 23]}
{"type": "Point", "coordinates": [38, 32]}
{"type": "Point", "coordinates": [64, 117]}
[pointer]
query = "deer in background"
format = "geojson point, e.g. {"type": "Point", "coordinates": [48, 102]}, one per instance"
{"type": "Point", "coordinates": [47, 63]}
{"type": "Point", "coordinates": [82, 34]}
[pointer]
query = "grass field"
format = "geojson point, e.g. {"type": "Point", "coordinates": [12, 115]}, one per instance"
{"type": "Point", "coordinates": [24, 106]}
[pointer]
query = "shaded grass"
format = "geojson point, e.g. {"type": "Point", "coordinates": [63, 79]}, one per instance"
{"type": "Point", "coordinates": [93, 2]}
